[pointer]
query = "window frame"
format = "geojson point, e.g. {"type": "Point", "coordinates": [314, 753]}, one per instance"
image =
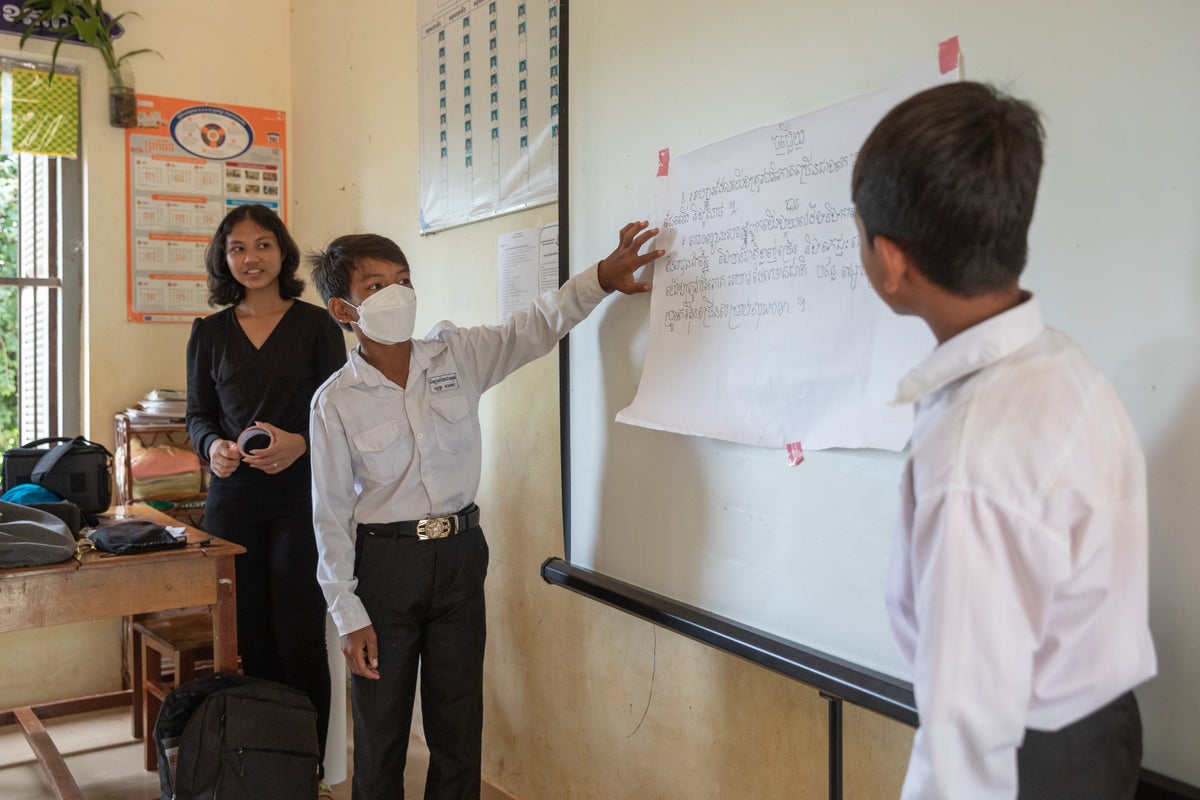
{"type": "Point", "coordinates": [63, 276]}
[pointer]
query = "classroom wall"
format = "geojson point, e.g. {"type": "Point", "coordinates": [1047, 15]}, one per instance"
{"type": "Point", "coordinates": [222, 50]}
{"type": "Point", "coordinates": [581, 701]}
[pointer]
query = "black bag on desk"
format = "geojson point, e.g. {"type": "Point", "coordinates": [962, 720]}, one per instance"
{"type": "Point", "coordinates": [134, 536]}
{"type": "Point", "coordinates": [76, 470]}
{"type": "Point", "coordinates": [236, 738]}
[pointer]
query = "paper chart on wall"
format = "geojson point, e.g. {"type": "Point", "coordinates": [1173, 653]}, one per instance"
{"type": "Point", "coordinates": [528, 267]}
{"type": "Point", "coordinates": [488, 74]}
{"type": "Point", "coordinates": [188, 164]}
{"type": "Point", "coordinates": [763, 327]}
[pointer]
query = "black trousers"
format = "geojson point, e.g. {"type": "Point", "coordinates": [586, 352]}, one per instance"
{"type": "Point", "coordinates": [280, 607]}
{"type": "Point", "coordinates": [1095, 758]}
{"type": "Point", "coordinates": [426, 603]}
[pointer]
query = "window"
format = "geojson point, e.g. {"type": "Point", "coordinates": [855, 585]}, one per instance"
{"type": "Point", "coordinates": [41, 238]}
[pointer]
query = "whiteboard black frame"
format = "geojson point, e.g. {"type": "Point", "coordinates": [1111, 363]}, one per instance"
{"type": "Point", "coordinates": [835, 678]}
{"type": "Point", "coordinates": [828, 674]}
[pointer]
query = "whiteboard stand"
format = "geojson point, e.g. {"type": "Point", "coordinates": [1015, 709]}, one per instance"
{"type": "Point", "coordinates": [835, 745]}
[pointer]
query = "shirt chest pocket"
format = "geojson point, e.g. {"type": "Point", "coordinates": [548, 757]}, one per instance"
{"type": "Point", "coordinates": [453, 423]}
{"type": "Point", "coordinates": [381, 450]}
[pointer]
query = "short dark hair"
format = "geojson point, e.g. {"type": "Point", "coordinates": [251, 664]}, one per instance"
{"type": "Point", "coordinates": [951, 176]}
{"type": "Point", "coordinates": [223, 288]}
{"type": "Point", "coordinates": [333, 266]}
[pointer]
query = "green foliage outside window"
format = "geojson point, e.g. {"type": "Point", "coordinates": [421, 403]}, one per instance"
{"type": "Point", "coordinates": [9, 254]}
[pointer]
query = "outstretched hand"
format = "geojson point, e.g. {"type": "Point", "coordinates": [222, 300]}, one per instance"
{"type": "Point", "coordinates": [616, 271]}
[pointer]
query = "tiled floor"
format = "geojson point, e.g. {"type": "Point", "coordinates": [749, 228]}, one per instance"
{"type": "Point", "coordinates": [107, 763]}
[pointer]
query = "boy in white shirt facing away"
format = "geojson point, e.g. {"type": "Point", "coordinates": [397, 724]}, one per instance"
{"type": "Point", "coordinates": [396, 453]}
{"type": "Point", "coordinates": [1018, 588]}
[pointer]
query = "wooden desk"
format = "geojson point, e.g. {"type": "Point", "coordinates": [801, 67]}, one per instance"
{"type": "Point", "coordinates": [99, 586]}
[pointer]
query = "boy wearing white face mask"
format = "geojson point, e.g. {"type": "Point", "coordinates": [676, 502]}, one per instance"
{"type": "Point", "coordinates": [396, 454]}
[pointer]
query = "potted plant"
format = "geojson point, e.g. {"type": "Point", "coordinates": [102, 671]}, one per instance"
{"type": "Point", "coordinates": [86, 21]}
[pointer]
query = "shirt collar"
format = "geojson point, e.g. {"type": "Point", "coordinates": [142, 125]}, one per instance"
{"type": "Point", "coordinates": [359, 372]}
{"type": "Point", "coordinates": [972, 350]}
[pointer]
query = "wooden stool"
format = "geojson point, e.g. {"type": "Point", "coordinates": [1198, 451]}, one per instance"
{"type": "Point", "coordinates": [185, 639]}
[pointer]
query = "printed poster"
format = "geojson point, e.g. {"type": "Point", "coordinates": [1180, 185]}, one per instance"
{"type": "Point", "coordinates": [488, 115]}
{"type": "Point", "coordinates": [528, 266]}
{"type": "Point", "coordinates": [187, 164]}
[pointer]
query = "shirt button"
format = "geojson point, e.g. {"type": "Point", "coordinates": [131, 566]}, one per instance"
{"type": "Point", "coordinates": [420, 436]}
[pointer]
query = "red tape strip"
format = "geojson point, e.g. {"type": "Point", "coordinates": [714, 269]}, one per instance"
{"type": "Point", "coordinates": [948, 54]}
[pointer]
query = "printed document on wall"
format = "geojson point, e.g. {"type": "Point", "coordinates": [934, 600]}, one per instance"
{"type": "Point", "coordinates": [488, 75]}
{"type": "Point", "coordinates": [763, 327]}
{"type": "Point", "coordinates": [528, 267]}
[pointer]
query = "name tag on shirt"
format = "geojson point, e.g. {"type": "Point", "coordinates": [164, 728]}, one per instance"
{"type": "Point", "coordinates": [443, 383]}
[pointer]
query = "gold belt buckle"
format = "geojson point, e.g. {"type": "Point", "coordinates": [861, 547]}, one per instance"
{"type": "Point", "coordinates": [436, 527]}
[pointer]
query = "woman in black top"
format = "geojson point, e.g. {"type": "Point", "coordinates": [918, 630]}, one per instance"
{"type": "Point", "coordinates": [258, 362]}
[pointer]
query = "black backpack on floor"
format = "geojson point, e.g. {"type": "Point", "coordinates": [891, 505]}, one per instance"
{"type": "Point", "coordinates": [236, 738]}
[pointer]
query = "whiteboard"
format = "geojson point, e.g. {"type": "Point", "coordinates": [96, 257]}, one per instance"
{"type": "Point", "coordinates": [802, 551]}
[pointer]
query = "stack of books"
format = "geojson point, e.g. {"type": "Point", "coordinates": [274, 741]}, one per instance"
{"type": "Point", "coordinates": [161, 406]}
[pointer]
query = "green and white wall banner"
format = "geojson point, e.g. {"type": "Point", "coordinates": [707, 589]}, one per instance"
{"type": "Point", "coordinates": [39, 112]}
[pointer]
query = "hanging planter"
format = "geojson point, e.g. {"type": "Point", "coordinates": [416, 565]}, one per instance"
{"type": "Point", "coordinates": [85, 21]}
{"type": "Point", "coordinates": [122, 99]}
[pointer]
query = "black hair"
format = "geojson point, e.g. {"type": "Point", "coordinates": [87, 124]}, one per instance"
{"type": "Point", "coordinates": [223, 288]}
{"type": "Point", "coordinates": [333, 266]}
{"type": "Point", "coordinates": [951, 176]}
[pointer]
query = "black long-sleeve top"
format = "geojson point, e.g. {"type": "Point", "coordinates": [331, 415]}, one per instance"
{"type": "Point", "coordinates": [231, 383]}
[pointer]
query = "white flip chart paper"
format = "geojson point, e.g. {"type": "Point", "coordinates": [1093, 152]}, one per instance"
{"type": "Point", "coordinates": [763, 327]}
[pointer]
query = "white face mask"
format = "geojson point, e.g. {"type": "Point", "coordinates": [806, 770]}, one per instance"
{"type": "Point", "coordinates": [389, 315]}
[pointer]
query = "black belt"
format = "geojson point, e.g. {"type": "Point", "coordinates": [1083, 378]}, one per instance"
{"type": "Point", "coordinates": [428, 528]}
